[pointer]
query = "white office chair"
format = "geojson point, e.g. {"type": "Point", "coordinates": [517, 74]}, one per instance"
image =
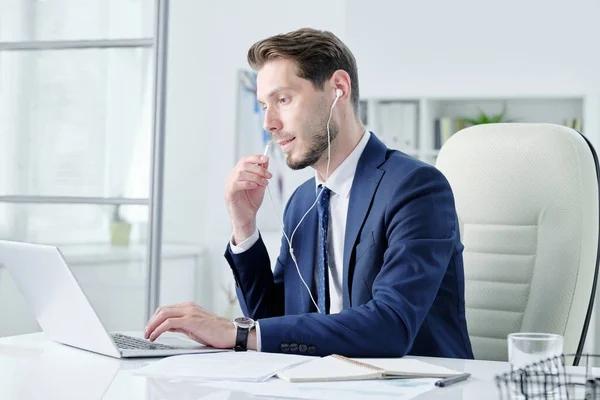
{"type": "Point", "coordinates": [528, 205]}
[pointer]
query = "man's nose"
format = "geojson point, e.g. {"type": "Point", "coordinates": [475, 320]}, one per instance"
{"type": "Point", "coordinates": [272, 122]}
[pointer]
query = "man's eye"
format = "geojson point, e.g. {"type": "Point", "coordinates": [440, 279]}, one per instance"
{"type": "Point", "coordinates": [284, 100]}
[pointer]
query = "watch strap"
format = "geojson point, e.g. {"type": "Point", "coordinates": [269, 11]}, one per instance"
{"type": "Point", "coordinates": [241, 339]}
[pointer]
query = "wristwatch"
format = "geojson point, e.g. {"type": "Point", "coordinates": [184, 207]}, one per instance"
{"type": "Point", "coordinates": [244, 325]}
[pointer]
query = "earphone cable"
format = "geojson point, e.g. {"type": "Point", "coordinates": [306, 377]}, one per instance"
{"type": "Point", "coordinates": [280, 220]}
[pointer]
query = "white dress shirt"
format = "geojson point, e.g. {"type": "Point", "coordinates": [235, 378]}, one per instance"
{"type": "Point", "coordinates": [340, 183]}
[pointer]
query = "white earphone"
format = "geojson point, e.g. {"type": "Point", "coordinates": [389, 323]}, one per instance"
{"type": "Point", "coordinates": [338, 94]}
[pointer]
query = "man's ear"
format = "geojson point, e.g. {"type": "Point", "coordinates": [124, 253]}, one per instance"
{"type": "Point", "coordinates": [340, 80]}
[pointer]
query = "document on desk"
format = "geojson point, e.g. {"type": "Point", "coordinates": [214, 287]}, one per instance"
{"type": "Point", "coordinates": [339, 368]}
{"type": "Point", "coordinates": [392, 389]}
{"type": "Point", "coordinates": [246, 366]}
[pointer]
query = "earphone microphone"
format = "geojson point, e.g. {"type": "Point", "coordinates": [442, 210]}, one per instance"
{"type": "Point", "coordinates": [338, 94]}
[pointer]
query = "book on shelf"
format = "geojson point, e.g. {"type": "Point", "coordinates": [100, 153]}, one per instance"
{"type": "Point", "coordinates": [460, 124]}
{"type": "Point", "coordinates": [575, 123]}
{"type": "Point", "coordinates": [340, 368]}
{"type": "Point", "coordinates": [444, 127]}
{"type": "Point", "coordinates": [398, 124]}
{"type": "Point", "coordinates": [442, 131]}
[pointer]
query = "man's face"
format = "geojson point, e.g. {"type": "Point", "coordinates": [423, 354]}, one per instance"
{"type": "Point", "coordinates": [295, 113]}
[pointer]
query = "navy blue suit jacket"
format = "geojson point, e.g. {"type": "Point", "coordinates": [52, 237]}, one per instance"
{"type": "Point", "coordinates": [403, 280]}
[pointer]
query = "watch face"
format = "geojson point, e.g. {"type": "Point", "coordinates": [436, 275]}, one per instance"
{"type": "Point", "coordinates": [244, 322]}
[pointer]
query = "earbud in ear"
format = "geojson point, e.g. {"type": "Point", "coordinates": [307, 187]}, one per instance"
{"type": "Point", "coordinates": [338, 93]}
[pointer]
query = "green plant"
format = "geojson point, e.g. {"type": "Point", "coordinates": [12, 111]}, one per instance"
{"type": "Point", "coordinates": [483, 118]}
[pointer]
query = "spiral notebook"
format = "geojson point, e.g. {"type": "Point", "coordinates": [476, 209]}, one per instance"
{"type": "Point", "coordinates": [340, 368]}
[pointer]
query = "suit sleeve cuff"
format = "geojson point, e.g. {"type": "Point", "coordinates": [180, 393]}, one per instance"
{"type": "Point", "coordinates": [245, 245]}
{"type": "Point", "coordinates": [258, 341]}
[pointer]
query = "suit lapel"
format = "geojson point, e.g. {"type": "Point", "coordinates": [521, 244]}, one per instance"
{"type": "Point", "coordinates": [364, 186]}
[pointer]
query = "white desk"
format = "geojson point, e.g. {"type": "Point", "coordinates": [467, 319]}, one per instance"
{"type": "Point", "coordinates": [32, 367]}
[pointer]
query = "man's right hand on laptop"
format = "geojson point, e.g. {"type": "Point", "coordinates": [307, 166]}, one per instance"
{"type": "Point", "coordinates": [197, 323]}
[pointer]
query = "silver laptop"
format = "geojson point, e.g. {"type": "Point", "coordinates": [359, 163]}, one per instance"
{"type": "Point", "coordinates": [64, 312]}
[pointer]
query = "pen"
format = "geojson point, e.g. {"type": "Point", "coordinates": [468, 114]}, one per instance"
{"type": "Point", "coordinates": [452, 379]}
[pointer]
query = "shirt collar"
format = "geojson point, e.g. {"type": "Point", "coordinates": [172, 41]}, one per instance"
{"type": "Point", "coordinates": [340, 182]}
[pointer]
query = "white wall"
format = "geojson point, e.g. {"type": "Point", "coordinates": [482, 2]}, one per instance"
{"type": "Point", "coordinates": [435, 47]}
{"type": "Point", "coordinates": [462, 47]}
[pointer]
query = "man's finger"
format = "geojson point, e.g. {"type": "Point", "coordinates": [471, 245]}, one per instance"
{"type": "Point", "coordinates": [171, 323]}
{"type": "Point", "coordinates": [244, 185]}
{"type": "Point", "coordinates": [184, 304]}
{"type": "Point", "coordinates": [254, 159]}
{"type": "Point", "coordinates": [161, 316]}
{"type": "Point", "coordinates": [173, 306]}
{"type": "Point", "coordinates": [258, 170]}
{"type": "Point", "coordinates": [251, 177]}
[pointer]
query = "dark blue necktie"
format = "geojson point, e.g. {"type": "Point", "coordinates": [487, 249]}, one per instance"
{"type": "Point", "coordinates": [323, 255]}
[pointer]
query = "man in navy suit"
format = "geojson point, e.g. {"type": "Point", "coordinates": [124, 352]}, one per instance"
{"type": "Point", "coordinates": [376, 268]}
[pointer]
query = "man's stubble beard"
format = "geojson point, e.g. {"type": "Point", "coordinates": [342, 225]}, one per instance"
{"type": "Point", "coordinates": [317, 142]}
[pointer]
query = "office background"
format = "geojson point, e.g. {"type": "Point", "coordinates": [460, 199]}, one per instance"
{"type": "Point", "coordinates": [79, 122]}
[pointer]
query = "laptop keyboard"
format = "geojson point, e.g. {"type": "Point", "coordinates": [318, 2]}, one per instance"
{"type": "Point", "coordinates": [128, 343]}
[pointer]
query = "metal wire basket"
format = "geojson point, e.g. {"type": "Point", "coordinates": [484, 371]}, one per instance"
{"type": "Point", "coordinates": [552, 378]}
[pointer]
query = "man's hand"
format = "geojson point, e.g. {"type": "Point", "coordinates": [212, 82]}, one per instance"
{"type": "Point", "coordinates": [244, 194]}
{"type": "Point", "coordinates": [197, 323]}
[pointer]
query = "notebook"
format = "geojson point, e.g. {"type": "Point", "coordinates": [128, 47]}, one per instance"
{"type": "Point", "coordinates": [340, 368]}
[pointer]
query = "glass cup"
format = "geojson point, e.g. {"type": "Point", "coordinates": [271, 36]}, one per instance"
{"type": "Point", "coordinates": [527, 348]}
{"type": "Point", "coordinates": [533, 352]}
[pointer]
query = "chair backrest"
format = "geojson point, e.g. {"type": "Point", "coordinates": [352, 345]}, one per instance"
{"type": "Point", "coordinates": [528, 206]}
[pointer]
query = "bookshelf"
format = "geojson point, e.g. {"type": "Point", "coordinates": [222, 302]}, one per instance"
{"type": "Point", "coordinates": [411, 124]}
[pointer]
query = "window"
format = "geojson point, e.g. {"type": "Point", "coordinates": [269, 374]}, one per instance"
{"type": "Point", "coordinates": [75, 113]}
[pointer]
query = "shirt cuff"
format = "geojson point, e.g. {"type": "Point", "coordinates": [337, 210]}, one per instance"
{"type": "Point", "coordinates": [245, 245]}
{"type": "Point", "coordinates": [258, 341]}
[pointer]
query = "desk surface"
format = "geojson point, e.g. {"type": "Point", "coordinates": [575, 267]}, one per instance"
{"type": "Point", "coordinates": [32, 367]}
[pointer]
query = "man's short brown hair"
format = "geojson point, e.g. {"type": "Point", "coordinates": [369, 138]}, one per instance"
{"type": "Point", "coordinates": [316, 54]}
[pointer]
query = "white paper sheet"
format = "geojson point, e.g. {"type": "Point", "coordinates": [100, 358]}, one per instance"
{"type": "Point", "coordinates": [248, 366]}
